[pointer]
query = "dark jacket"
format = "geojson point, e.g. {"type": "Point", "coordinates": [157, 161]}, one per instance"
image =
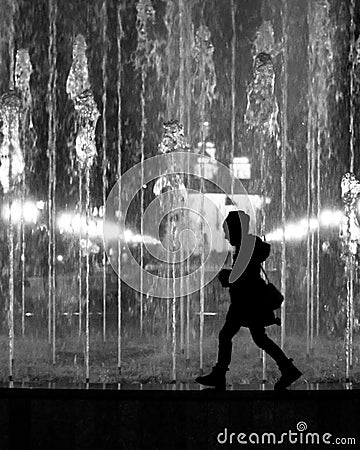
{"type": "Point", "coordinates": [248, 292]}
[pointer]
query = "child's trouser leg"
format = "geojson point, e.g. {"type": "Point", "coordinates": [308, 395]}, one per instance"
{"type": "Point", "coordinates": [228, 331]}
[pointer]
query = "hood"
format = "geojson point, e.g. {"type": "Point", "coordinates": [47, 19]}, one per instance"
{"type": "Point", "coordinates": [261, 250]}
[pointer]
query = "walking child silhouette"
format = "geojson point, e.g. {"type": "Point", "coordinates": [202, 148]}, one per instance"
{"type": "Point", "coordinates": [248, 305]}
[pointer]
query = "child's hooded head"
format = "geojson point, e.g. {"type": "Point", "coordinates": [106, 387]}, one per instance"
{"type": "Point", "coordinates": [235, 226]}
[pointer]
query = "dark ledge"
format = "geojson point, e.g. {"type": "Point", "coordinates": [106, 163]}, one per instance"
{"type": "Point", "coordinates": [39, 418]}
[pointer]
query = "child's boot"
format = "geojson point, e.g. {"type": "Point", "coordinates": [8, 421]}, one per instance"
{"type": "Point", "coordinates": [215, 378]}
{"type": "Point", "coordinates": [289, 374]}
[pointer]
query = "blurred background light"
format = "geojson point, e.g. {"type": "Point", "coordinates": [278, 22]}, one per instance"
{"type": "Point", "coordinates": [28, 211]}
{"type": "Point", "coordinates": [298, 230]}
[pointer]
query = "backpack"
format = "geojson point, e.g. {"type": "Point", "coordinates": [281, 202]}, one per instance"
{"type": "Point", "coordinates": [274, 296]}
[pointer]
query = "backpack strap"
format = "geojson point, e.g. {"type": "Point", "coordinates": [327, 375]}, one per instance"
{"type": "Point", "coordinates": [267, 279]}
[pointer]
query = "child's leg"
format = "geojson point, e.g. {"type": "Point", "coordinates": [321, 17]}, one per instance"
{"type": "Point", "coordinates": [231, 327]}
{"type": "Point", "coordinates": [217, 376]}
{"type": "Point", "coordinates": [263, 341]}
{"type": "Point", "coordinates": [289, 373]}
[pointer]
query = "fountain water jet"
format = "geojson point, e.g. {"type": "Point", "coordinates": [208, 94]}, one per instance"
{"type": "Point", "coordinates": [12, 166]}
{"type": "Point", "coordinates": [320, 72]}
{"type": "Point", "coordinates": [205, 88]}
{"type": "Point", "coordinates": [284, 150]}
{"type": "Point", "coordinates": [145, 15]}
{"type": "Point", "coordinates": [350, 191]}
{"type": "Point", "coordinates": [78, 82]}
{"type": "Point", "coordinates": [119, 34]}
{"type": "Point", "coordinates": [52, 128]}
{"type": "Point", "coordinates": [23, 70]}
{"type": "Point", "coordinates": [261, 117]}
{"type": "Point", "coordinates": [104, 144]}
{"type": "Point", "coordinates": [78, 88]}
{"type": "Point", "coordinates": [173, 141]}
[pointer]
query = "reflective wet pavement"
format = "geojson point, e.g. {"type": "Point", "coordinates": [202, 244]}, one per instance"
{"type": "Point", "coordinates": [300, 386]}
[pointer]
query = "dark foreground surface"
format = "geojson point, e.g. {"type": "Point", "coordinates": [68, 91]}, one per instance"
{"type": "Point", "coordinates": [94, 418]}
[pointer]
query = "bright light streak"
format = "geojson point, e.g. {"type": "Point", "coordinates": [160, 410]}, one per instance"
{"type": "Point", "coordinates": [294, 232]}
{"type": "Point", "coordinates": [274, 235]}
{"type": "Point", "coordinates": [331, 218]}
{"type": "Point", "coordinates": [298, 230]}
{"type": "Point", "coordinates": [304, 224]}
{"type": "Point", "coordinates": [64, 222]}
{"type": "Point", "coordinates": [338, 217]}
{"type": "Point", "coordinates": [136, 238]}
{"type": "Point", "coordinates": [15, 212]}
{"type": "Point", "coordinates": [313, 224]}
{"type": "Point", "coordinates": [95, 228]}
{"type": "Point", "coordinates": [77, 224]}
{"type": "Point", "coordinates": [28, 211]}
{"type": "Point", "coordinates": [326, 217]}
{"type": "Point", "coordinates": [111, 230]}
{"type": "Point", "coordinates": [128, 235]}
